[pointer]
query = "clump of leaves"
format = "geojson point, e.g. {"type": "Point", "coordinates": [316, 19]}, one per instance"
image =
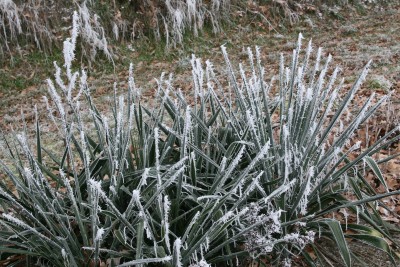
{"type": "Point", "coordinates": [232, 172]}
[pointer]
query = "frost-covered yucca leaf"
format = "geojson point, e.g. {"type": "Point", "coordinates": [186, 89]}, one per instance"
{"type": "Point", "coordinates": [240, 172]}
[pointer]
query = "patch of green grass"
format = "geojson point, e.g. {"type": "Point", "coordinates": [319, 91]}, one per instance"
{"type": "Point", "coordinates": [373, 85]}
{"type": "Point", "coordinates": [31, 67]}
{"type": "Point", "coordinates": [27, 69]}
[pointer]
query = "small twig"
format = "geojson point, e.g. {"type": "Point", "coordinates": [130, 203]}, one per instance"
{"type": "Point", "coordinates": [264, 18]}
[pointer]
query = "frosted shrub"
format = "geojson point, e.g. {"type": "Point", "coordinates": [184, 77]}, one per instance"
{"type": "Point", "coordinates": [170, 19]}
{"type": "Point", "coordinates": [191, 14]}
{"type": "Point", "coordinates": [37, 21]}
{"type": "Point", "coordinates": [240, 173]}
{"type": "Point", "coordinates": [10, 17]}
{"type": "Point", "coordinates": [93, 34]}
{"type": "Point", "coordinates": [27, 18]}
{"type": "Point", "coordinates": [31, 19]}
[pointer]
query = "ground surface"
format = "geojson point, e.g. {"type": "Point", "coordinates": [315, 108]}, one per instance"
{"type": "Point", "coordinates": [352, 36]}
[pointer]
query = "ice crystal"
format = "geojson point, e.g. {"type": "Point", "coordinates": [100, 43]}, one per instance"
{"type": "Point", "coordinates": [99, 234]}
{"type": "Point", "coordinates": [201, 263]}
{"type": "Point", "coordinates": [300, 240]}
{"type": "Point", "coordinates": [260, 240]}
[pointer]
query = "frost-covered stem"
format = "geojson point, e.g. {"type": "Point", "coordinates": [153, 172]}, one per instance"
{"type": "Point", "coordinates": [177, 258]}
{"type": "Point", "coordinates": [167, 204]}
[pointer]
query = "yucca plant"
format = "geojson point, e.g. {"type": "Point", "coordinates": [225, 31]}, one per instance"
{"type": "Point", "coordinates": [295, 143]}
{"type": "Point", "coordinates": [310, 147]}
{"type": "Point", "coordinates": [229, 173]}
